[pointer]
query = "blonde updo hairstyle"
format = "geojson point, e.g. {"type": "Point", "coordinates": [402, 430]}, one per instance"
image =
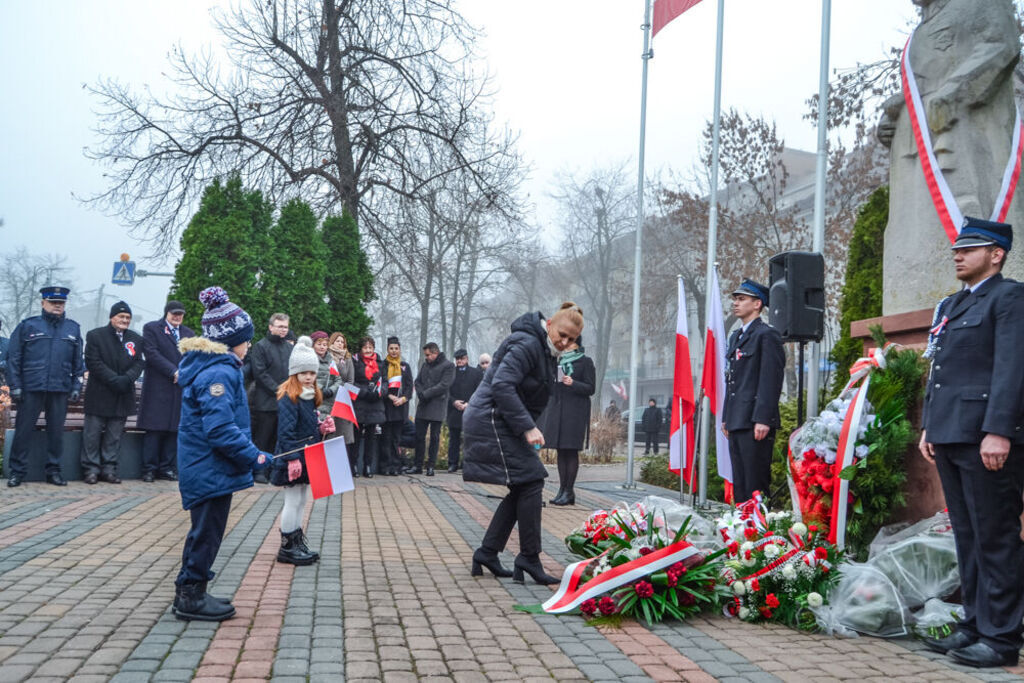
{"type": "Point", "coordinates": [571, 313]}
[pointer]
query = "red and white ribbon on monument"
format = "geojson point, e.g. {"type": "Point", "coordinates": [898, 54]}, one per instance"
{"type": "Point", "coordinates": [861, 370]}
{"type": "Point", "coordinates": [942, 196]}
{"type": "Point", "coordinates": [571, 594]}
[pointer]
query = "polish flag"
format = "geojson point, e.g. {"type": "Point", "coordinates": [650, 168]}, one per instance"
{"type": "Point", "coordinates": [712, 381]}
{"type": "Point", "coordinates": [328, 468]}
{"type": "Point", "coordinates": [343, 404]}
{"type": "Point", "coordinates": [667, 10]}
{"type": "Point", "coordinates": [620, 389]}
{"type": "Point", "coordinates": [395, 382]}
{"type": "Point", "coordinates": [680, 440]}
{"type": "Point", "coordinates": [334, 369]}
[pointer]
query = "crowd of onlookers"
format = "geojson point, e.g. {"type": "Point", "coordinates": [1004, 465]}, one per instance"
{"type": "Point", "coordinates": [47, 365]}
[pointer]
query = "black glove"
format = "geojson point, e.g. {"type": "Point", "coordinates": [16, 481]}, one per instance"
{"type": "Point", "coordinates": [123, 384]}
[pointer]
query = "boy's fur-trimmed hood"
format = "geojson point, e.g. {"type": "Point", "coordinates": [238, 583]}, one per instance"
{"type": "Point", "coordinates": [202, 345]}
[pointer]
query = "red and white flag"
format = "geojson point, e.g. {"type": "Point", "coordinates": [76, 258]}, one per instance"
{"type": "Point", "coordinates": [334, 369]}
{"type": "Point", "coordinates": [620, 389]}
{"type": "Point", "coordinates": [680, 440]}
{"type": "Point", "coordinates": [328, 468]}
{"type": "Point", "coordinates": [712, 380]}
{"type": "Point", "coordinates": [667, 10]}
{"type": "Point", "coordinates": [343, 404]}
{"type": "Point", "coordinates": [395, 382]}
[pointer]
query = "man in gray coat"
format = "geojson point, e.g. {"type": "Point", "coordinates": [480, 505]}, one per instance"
{"type": "Point", "coordinates": [432, 383]}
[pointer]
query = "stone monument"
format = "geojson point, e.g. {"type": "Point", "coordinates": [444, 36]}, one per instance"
{"type": "Point", "coordinates": [963, 54]}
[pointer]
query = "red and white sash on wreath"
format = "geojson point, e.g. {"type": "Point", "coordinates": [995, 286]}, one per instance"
{"type": "Point", "coordinates": [945, 203]}
{"type": "Point", "coordinates": [571, 594]}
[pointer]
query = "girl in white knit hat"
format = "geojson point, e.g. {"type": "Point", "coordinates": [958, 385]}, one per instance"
{"type": "Point", "coordinates": [298, 425]}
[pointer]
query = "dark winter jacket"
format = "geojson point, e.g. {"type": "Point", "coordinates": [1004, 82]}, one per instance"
{"type": "Point", "coordinates": [651, 419]}
{"type": "Point", "coordinates": [216, 454]}
{"type": "Point", "coordinates": [400, 413]}
{"type": "Point", "coordinates": [4, 344]}
{"type": "Point", "coordinates": [466, 381]}
{"type": "Point", "coordinates": [160, 406]}
{"type": "Point", "coordinates": [45, 354]}
{"type": "Point", "coordinates": [432, 384]}
{"type": "Point", "coordinates": [113, 367]}
{"type": "Point", "coordinates": [297, 426]}
{"type": "Point", "coordinates": [565, 423]}
{"type": "Point", "coordinates": [369, 405]}
{"type": "Point", "coordinates": [269, 369]}
{"type": "Point", "coordinates": [512, 395]}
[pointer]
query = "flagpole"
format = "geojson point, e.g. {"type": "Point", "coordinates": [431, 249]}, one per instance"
{"type": "Point", "coordinates": [814, 376]}
{"type": "Point", "coordinates": [634, 343]}
{"type": "Point", "coordinates": [712, 298]}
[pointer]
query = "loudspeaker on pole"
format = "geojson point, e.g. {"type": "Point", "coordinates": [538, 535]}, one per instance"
{"type": "Point", "coordinates": [796, 300]}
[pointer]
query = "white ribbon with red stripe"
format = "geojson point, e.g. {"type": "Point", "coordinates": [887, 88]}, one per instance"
{"type": "Point", "coordinates": [571, 594]}
{"type": "Point", "coordinates": [950, 215]}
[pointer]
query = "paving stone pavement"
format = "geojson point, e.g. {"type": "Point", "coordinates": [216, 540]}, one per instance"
{"type": "Point", "coordinates": [87, 572]}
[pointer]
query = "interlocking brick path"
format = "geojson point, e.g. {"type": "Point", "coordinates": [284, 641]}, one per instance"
{"type": "Point", "coordinates": [86, 585]}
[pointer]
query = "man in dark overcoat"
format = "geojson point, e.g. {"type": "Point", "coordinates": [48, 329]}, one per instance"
{"type": "Point", "coordinates": [114, 359]}
{"type": "Point", "coordinates": [651, 423]}
{"type": "Point", "coordinates": [973, 431]}
{"type": "Point", "coordinates": [160, 406]}
{"type": "Point", "coordinates": [269, 368]}
{"type": "Point", "coordinates": [757, 364]}
{"type": "Point", "coordinates": [466, 381]}
{"type": "Point", "coordinates": [44, 368]}
{"type": "Point", "coordinates": [433, 380]}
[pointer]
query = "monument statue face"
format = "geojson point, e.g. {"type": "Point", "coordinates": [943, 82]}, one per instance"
{"type": "Point", "coordinates": [962, 55]}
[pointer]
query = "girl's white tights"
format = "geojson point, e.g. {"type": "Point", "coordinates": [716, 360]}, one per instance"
{"type": "Point", "coordinates": [294, 503]}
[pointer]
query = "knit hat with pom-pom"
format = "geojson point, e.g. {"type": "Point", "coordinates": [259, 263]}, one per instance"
{"type": "Point", "coordinates": [224, 321]}
{"type": "Point", "coordinates": [303, 358]}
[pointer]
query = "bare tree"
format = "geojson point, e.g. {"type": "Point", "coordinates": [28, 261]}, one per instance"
{"type": "Point", "coordinates": [22, 274]}
{"type": "Point", "coordinates": [336, 97]}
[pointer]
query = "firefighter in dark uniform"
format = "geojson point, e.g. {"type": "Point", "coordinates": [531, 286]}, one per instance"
{"type": "Point", "coordinates": [973, 431]}
{"type": "Point", "coordinates": [750, 417]}
{"type": "Point", "coordinates": [44, 367]}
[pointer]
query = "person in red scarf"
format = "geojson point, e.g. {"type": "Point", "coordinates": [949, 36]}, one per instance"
{"type": "Point", "coordinates": [369, 406]}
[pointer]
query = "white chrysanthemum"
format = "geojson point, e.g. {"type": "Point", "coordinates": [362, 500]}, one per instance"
{"type": "Point", "coordinates": [800, 529]}
{"type": "Point", "coordinates": [739, 588]}
{"type": "Point", "coordinates": [771, 551]}
{"type": "Point", "coordinates": [748, 562]}
{"type": "Point", "coordinates": [744, 613]}
{"type": "Point", "coordinates": [745, 546]}
{"type": "Point", "coordinates": [788, 572]}
{"type": "Point", "coordinates": [861, 451]}
{"type": "Point", "coordinates": [814, 599]}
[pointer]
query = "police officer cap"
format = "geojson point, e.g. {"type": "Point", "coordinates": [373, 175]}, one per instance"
{"type": "Point", "coordinates": [754, 289]}
{"type": "Point", "coordinates": [54, 293]}
{"type": "Point", "coordinates": [462, 353]}
{"type": "Point", "coordinates": [978, 233]}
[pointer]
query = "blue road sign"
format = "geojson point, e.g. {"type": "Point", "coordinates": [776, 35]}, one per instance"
{"type": "Point", "coordinates": [124, 273]}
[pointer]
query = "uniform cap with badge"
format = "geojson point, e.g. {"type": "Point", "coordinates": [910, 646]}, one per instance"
{"type": "Point", "coordinates": [976, 232]}
{"type": "Point", "coordinates": [54, 293]}
{"type": "Point", "coordinates": [752, 288]}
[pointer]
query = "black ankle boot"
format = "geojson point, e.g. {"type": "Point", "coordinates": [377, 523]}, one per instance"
{"type": "Point", "coordinates": [484, 558]}
{"type": "Point", "coordinates": [532, 566]}
{"type": "Point", "coordinates": [304, 544]}
{"type": "Point", "coordinates": [223, 601]}
{"type": "Point", "coordinates": [291, 551]}
{"type": "Point", "coordinates": [557, 500]}
{"type": "Point", "coordinates": [193, 604]}
{"type": "Point", "coordinates": [566, 497]}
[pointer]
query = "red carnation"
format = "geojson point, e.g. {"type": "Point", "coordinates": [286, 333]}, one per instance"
{"type": "Point", "coordinates": [747, 555]}
{"type": "Point", "coordinates": [606, 605]}
{"type": "Point", "coordinates": [732, 607]}
{"type": "Point", "coordinates": [679, 568]}
{"type": "Point", "coordinates": [643, 589]}
{"type": "Point", "coordinates": [589, 607]}
{"type": "Point", "coordinates": [820, 553]}
{"type": "Point", "coordinates": [755, 585]}
{"type": "Point", "coordinates": [771, 600]}
{"type": "Point", "coordinates": [827, 484]}
{"type": "Point", "coordinates": [813, 528]}
{"type": "Point", "coordinates": [766, 613]}
{"type": "Point", "coordinates": [673, 579]}
{"type": "Point", "coordinates": [646, 551]}
{"type": "Point", "coordinates": [750, 534]}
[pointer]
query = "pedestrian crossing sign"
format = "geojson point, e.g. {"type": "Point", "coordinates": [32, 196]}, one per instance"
{"type": "Point", "coordinates": [124, 273]}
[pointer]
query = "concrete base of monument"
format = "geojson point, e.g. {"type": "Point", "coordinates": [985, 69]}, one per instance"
{"type": "Point", "coordinates": [923, 490]}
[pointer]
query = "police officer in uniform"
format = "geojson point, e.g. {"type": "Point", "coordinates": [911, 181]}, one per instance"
{"type": "Point", "coordinates": [45, 367]}
{"type": "Point", "coordinates": [750, 417]}
{"type": "Point", "coordinates": [973, 431]}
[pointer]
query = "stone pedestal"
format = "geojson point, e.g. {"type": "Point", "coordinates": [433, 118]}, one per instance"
{"type": "Point", "coordinates": [923, 490]}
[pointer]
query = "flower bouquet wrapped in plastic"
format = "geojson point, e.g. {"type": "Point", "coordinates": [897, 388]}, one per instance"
{"type": "Point", "coordinates": [864, 601]}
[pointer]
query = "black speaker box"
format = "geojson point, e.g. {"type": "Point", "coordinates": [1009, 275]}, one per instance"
{"type": "Point", "coordinates": [796, 299]}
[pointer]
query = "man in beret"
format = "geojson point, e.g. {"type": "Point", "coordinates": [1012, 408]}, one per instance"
{"type": "Point", "coordinates": [160, 405]}
{"type": "Point", "coordinates": [44, 368]}
{"type": "Point", "coordinates": [973, 432]}
{"type": "Point", "coordinates": [114, 359]}
{"type": "Point", "coordinates": [757, 363]}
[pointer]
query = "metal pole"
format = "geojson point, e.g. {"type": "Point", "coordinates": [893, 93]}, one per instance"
{"type": "Point", "coordinates": [634, 344]}
{"type": "Point", "coordinates": [712, 298]}
{"type": "Point", "coordinates": [813, 377]}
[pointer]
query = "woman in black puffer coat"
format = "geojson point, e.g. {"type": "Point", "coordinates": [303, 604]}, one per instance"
{"type": "Point", "coordinates": [369, 369]}
{"type": "Point", "coordinates": [502, 441]}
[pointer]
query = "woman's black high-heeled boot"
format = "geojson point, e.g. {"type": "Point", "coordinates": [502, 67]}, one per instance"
{"type": "Point", "coordinates": [532, 566]}
{"type": "Point", "coordinates": [482, 558]}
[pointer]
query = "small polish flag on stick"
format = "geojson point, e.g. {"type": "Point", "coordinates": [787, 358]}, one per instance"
{"type": "Point", "coordinates": [334, 369]}
{"type": "Point", "coordinates": [343, 404]}
{"type": "Point", "coordinates": [328, 468]}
